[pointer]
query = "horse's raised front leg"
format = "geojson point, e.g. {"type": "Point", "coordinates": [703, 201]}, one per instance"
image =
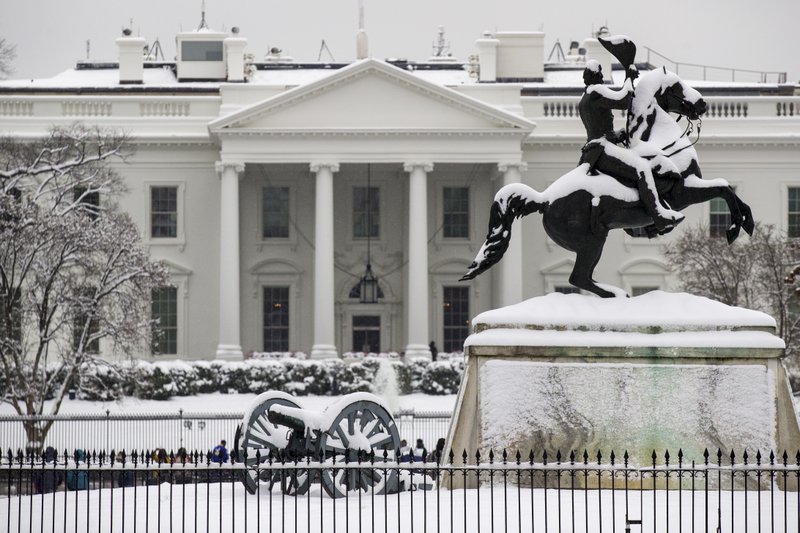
{"type": "Point", "coordinates": [691, 193]}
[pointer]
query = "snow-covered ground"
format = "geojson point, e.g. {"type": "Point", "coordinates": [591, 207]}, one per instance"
{"type": "Point", "coordinates": [223, 508]}
{"type": "Point", "coordinates": [231, 403]}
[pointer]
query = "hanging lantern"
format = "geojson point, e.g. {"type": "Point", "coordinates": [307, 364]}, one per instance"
{"type": "Point", "coordinates": [368, 287]}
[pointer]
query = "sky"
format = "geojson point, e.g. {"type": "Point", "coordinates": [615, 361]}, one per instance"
{"type": "Point", "coordinates": [50, 35]}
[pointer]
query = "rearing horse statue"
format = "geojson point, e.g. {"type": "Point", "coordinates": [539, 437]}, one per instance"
{"type": "Point", "coordinates": [578, 210]}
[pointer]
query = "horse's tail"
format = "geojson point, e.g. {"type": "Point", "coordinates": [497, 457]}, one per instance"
{"type": "Point", "coordinates": [512, 201]}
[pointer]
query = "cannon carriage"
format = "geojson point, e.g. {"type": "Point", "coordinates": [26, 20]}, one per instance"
{"type": "Point", "coordinates": [358, 428]}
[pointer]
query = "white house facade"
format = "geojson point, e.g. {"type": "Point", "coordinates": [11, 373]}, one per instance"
{"type": "Point", "coordinates": [268, 187]}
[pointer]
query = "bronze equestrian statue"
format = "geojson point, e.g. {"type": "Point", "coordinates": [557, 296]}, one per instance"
{"type": "Point", "coordinates": [637, 179]}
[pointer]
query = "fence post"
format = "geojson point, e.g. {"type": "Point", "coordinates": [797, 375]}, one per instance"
{"type": "Point", "coordinates": [180, 425]}
{"type": "Point", "coordinates": [108, 428]}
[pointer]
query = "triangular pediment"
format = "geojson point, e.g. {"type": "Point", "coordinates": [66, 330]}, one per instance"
{"type": "Point", "coordinates": [371, 95]}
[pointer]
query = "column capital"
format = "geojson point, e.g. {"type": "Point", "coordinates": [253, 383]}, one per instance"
{"type": "Point", "coordinates": [427, 166]}
{"type": "Point", "coordinates": [505, 166]}
{"type": "Point", "coordinates": [220, 166]}
{"type": "Point", "coordinates": [317, 166]}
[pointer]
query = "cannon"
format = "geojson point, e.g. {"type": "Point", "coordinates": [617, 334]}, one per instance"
{"type": "Point", "coordinates": [357, 427]}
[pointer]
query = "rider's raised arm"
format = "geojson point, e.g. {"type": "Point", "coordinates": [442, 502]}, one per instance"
{"type": "Point", "coordinates": [610, 98]}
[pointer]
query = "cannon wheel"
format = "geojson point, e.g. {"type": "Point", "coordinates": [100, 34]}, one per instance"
{"type": "Point", "coordinates": [256, 434]}
{"type": "Point", "coordinates": [361, 428]}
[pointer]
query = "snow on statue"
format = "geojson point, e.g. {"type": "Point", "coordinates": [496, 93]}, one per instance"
{"type": "Point", "coordinates": [636, 179]}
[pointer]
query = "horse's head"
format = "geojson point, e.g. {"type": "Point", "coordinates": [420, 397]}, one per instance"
{"type": "Point", "coordinates": [676, 96]}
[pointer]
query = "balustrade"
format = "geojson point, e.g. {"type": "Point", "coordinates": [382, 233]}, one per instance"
{"type": "Point", "coordinates": [16, 108]}
{"type": "Point", "coordinates": [85, 108]}
{"type": "Point", "coordinates": [164, 108]}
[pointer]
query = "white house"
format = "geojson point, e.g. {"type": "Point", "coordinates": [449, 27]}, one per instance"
{"type": "Point", "coordinates": [267, 187]}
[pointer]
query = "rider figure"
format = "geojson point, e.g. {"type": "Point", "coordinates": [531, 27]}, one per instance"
{"type": "Point", "coordinates": [602, 151]}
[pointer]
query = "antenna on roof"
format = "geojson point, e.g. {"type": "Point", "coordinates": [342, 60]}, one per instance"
{"type": "Point", "coordinates": [154, 51]}
{"type": "Point", "coordinates": [203, 25]}
{"type": "Point", "coordinates": [323, 47]}
{"type": "Point", "coordinates": [559, 52]}
{"type": "Point", "coordinates": [441, 47]}
{"type": "Point", "coordinates": [88, 48]}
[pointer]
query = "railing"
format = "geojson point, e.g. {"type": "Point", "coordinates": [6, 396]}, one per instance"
{"type": "Point", "coordinates": [365, 493]}
{"type": "Point", "coordinates": [706, 72]}
{"type": "Point", "coordinates": [174, 430]}
{"type": "Point", "coordinates": [149, 106]}
{"type": "Point", "coordinates": [719, 107]}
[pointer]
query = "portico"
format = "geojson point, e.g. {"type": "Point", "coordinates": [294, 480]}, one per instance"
{"type": "Point", "coordinates": [367, 113]}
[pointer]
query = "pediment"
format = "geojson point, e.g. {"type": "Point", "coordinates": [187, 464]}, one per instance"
{"type": "Point", "coordinates": [371, 95]}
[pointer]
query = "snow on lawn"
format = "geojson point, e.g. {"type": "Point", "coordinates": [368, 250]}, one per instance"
{"type": "Point", "coordinates": [223, 507]}
{"type": "Point", "coordinates": [230, 403]}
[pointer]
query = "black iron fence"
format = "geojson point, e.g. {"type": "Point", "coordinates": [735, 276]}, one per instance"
{"type": "Point", "coordinates": [174, 430]}
{"type": "Point", "coordinates": [537, 493]}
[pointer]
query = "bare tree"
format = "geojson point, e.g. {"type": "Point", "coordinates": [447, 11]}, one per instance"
{"type": "Point", "coordinates": [73, 271]}
{"type": "Point", "coordinates": [749, 273]}
{"type": "Point", "coordinates": [8, 52]}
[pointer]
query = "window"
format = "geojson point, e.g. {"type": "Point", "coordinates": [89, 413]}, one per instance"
{"type": "Point", "coordinates": [366, 334]}
{"type": "Point", "coordinates": [719, 217]}
{"type": "Point", "coordinates": [164, 308]}
{"type": "Point", "coordinates": [638, 291]}
{"type": "Point", "coordinates": [201, 50]}
{"type": "Point", "coordinates": [566, 289]}
{"type": "Point", "coordinates": [276, 319]}
{"type": "Point", "coordinates": [456, 212]}
{"type": "Point", "coordinates": [456, 318]}
{"type": "Point", "coordinates": [79, 323]}
{"type": "Point", "coordinates": [90, 202]}
{"type": "Point", "coordinates": [366, 212]}
{"type": "Point", "coordinates": [793, 229]}
{"type": "Point", "coordinates": [163, 212]}
{"type": "Point", "coordinates": [275, 213]}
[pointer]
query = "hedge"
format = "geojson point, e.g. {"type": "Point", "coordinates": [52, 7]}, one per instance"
{"type": "Point", "coordinates": [162, 380]}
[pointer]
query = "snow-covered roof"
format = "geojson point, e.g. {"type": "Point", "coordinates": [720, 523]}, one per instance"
{"type": "Point", "coordinates": [101, 75]}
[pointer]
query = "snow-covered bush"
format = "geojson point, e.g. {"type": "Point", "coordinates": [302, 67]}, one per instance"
{"type": "Point", "coordinates": [442, 377]}
{"type": "Point", "coordinates": [153, 383]}
{"type": "Point", "coordinates": [264, 375]}
{"type": "Point", "coordinates": [305, 378]}
{"type": "Point", "coordinates": [161, 380]}
{"type": "Point", "coordinates": [350, 377]}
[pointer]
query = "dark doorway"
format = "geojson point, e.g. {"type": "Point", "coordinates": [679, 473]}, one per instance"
{"type": "Point", "coordinates": [366, 333]}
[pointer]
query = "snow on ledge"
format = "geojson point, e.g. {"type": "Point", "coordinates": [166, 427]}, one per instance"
{"type": "Point", "coordinates": [608, 339]}
{"type": "Point", "coordinates": [665, 311]}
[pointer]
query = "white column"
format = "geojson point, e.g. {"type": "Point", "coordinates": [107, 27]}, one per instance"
{"type": "Point", "coordinates": [510, 267]}
{"type": "Point", "coordinates": [229, 346]}
{"type": "Point", "coordinates": [418, 291]}
{"type": "Point", "coordinates": [324, 319]}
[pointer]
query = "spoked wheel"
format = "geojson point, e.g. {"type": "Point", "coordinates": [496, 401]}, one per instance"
{"type": "Point", "coordinates": [362, 428]}
{"type": "Point", "coordinates": [260, 437]}
{"type": "Point", "coordinates": [295, 481]}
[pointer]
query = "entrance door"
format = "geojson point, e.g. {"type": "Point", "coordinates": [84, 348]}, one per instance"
{"type": "Point", "coordinates": [366, 333]}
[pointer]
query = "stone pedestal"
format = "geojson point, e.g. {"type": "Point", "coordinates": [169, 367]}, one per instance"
{"type": "Point", "coordinates": [655, 372]}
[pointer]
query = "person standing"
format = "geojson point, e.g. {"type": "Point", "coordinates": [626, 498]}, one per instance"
{"type": "Point", "coordinates": [434, 350]}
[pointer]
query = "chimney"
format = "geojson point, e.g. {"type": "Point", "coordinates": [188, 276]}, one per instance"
{"type": "Point", "coordinates": [520, 56]}
{"type": "Point", "coordinates": [234, 55]}
{"type": "Point", "coordinates": [362, 45]}
{"type": "Point", "coordinates": [487, 57]}
{"type": "Point", "coordinates": [131, 58]}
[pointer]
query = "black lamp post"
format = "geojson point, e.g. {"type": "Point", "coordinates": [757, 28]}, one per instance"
{"type": "Point", "coordinates": [368, 286]}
